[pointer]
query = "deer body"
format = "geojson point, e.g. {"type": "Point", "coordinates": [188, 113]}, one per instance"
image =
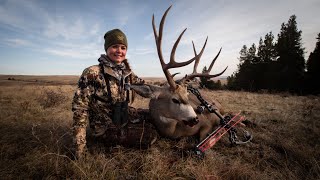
{"type": "Point", "coordinates": [171, 107]}
{"type": "Point", "coordinates": [174, 113]}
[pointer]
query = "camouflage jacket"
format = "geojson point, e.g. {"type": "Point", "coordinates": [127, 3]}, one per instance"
{"type": "Point", "coordinates": [95, 96]}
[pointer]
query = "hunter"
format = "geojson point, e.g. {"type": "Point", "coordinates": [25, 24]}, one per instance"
{"type": "Point", "coordinates": [101, 111]}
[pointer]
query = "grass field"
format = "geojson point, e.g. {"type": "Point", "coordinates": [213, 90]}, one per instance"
{"type": "Point", "coordinates": [35, 129]}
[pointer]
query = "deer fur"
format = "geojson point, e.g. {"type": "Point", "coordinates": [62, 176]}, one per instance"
{"type": "Point", "coordinates": [171, 107]}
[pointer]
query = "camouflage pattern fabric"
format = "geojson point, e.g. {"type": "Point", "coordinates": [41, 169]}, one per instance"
{"type": "Point", "coordinates": [138, 133]}
{"type": "Point", "coordinates": [92, 104]}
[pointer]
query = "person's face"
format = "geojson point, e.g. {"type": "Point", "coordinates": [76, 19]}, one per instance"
{"type": "Point", "coordinates": [117, 53]}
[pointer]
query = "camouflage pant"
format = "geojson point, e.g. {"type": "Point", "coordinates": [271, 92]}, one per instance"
{"type": "Point", "coordinates": [138, 132]}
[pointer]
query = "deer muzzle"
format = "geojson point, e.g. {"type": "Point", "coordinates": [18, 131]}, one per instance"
{"type": "Point", "coordinates": [191, 122]}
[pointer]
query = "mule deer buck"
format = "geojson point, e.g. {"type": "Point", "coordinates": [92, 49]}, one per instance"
{"type": "Point", "coordinates": [172, 108]}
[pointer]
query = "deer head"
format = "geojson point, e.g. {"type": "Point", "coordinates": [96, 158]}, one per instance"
{"type": "Point", "coordinates": [171, 109]}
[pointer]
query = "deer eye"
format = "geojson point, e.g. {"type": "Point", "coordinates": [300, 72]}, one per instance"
{"type": "Point", "coordinates": [176, 101]}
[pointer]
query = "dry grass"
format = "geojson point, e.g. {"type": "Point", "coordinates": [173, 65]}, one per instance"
{"type": "Point", "coordinates": [35, 140]}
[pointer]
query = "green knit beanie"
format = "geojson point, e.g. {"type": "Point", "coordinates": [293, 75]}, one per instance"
{"type": "Point", "coordinates": [114, 36]}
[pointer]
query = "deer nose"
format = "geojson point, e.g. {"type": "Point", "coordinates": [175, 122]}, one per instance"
{"type": "Point", "coordinates": [194, 120]}
{"type": "Point", "coordinates": [191, 121]}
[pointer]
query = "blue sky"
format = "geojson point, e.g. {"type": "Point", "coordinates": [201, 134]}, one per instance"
{"type": "Point", "coordinates": [61, 37]}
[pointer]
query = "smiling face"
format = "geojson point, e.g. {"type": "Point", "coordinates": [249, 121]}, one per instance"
{"type": "Point", "coordinates": [117, 53]}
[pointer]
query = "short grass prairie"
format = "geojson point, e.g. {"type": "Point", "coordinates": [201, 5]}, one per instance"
{"type": "Point", "coordinates": [36, 121]}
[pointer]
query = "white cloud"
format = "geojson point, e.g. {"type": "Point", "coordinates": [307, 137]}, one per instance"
{"type": "Point", "coordinates": [68, 29]}
{"type": "Point", "coordinates": [29, 17]}
{"type": "Point", "coordinates": [122, 20]}
{"type": "Point", "coordinates": [18, 42]}
{"type": "Point", "coordinates": [72, 53]}
{"type": "Point", "coordinates": [150, 36]}
{"type": "Point", "coordinates": [143, 51]}
{"type": "Point", "coordinates": [23, 16]}
{"type": "Point", "coordinates": [94, 29]}
{"type": "Point", "coordinates": [64, 30]}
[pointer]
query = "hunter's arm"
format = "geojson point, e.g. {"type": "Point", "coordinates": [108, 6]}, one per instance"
{"type": "Point", "coordinates": [136, 79]}
{"type": "Point", "coordinates": [80, 105]}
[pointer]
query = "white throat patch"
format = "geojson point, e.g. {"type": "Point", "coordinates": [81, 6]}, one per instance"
{"type": "Point", "coordinates": [166, 120]}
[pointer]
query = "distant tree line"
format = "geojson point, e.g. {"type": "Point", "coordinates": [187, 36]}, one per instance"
{"type": "Point", "coordinates": [276, 65]}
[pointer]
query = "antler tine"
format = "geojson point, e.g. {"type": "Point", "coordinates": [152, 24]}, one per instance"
{"type": "Point", "coordinates": [216, 75]}
{"type": "Point", "coordinates": [197, 60]}
{"type": "Point", "coordinates": [174, 64]}
{"type": "Point", "coordinates": [173, 75]}
{"type": "Point", "coordinates": [158, 38]}
{"type": "Point", "coordinates": [196, 63]}
{"type": "Point", "coordinates": [213, 61]}
{"type": "Point", "coordinates": [211, 65]}
{"type": "Point", "coordinates": [205, 73]}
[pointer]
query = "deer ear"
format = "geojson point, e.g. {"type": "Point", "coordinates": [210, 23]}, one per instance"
{"type": "Point", "coordinates": [147, 91]}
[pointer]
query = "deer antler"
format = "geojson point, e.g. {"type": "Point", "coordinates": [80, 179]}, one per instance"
{"type": "Point", "coordinates": [172, 63]}
{"type": "Point", "coordinates": [206, 72]}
